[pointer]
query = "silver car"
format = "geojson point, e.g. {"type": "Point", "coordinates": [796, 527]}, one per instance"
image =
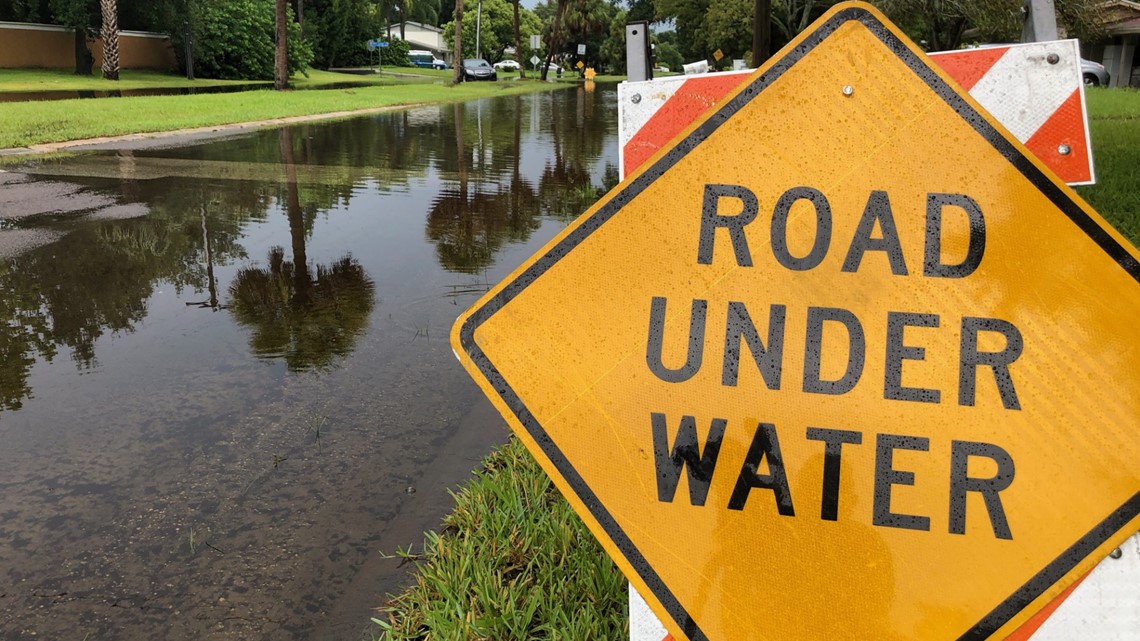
{"type": "Point", "coordinates": [1094, 73]}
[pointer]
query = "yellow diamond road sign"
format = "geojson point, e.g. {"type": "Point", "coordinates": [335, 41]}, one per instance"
{"type": "Point", "coordinates": [844, 362]}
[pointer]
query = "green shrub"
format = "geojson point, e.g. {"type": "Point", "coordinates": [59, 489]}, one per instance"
{"type": "Point", "coordinates": [395, 54]}
{"type": "Point", "coordinates": [234, 40]}
{"type": "Point", "coordinates": [339, 30]}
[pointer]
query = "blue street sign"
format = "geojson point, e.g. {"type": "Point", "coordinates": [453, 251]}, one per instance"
{"type": "Point", "coordinates": [382, 44]}
{"type": "Point", "coordinates": [373, 44]}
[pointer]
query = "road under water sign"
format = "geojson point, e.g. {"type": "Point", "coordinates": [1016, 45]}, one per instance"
{"type": "Point", "coordinates": [843, 361]}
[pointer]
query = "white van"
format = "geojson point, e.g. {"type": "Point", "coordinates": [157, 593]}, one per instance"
{"type": "Point", "coordinates": [425, 59]}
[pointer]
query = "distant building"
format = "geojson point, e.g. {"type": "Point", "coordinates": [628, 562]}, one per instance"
{"type": "Point", "coordinates": [424, 36]}
{"type": "Point", "coordinates": [1118, 53]}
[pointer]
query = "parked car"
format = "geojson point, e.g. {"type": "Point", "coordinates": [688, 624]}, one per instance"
{"type": "Point", "coordinates": [661, 69]}
{"type": "Point", "coordinates": [478, 69]}
{"type": "Point", "coordinates": [1094, 73]}
{"type": "Point", "coordinates": [426, 60]}
{"type": "Point", "coordinates": [507, 65]}
{"type": "Point", "coordinates": [554, 69]}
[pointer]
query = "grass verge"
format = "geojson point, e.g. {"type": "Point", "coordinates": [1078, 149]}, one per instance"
{"type": "Point", "coordinates": [512, 561]}
{"type": "Point", "coordinates": [1114, 119]}
{"type": "Point", "coordinates": [27, 80]}
{"type": "Point", "coordinates": [30, 123]}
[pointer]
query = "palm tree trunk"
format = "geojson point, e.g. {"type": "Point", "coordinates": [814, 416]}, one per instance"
{"type": "Point", "coordinates": [555, 36]}
{"type": "Point", "coordinates": [110, 34]}
{"type": "Point", "coordinates": [281, 60]}
{"type": "Point", "coordinates": [761, 32]}
{"type": "Point", "coordinates": [82, 53]}
{"type": "Point", "coordinates": [518, 44]}
{"type": "Point", "coordinates": [457, 77]}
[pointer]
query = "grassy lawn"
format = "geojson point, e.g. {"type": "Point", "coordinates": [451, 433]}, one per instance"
{"type": "Point", "coordinates": [29, 123]}
{"type": "Point", "coordinates": [64, 80]}
{"type": "Point", "coordinates": [22, 80]}
{"type": "Point", "coordinates": [1114, 118]}
{"type": "Point", "coordinates": [513, 562]}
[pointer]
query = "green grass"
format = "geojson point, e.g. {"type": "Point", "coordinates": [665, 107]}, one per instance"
{"type": "Point", "coordinates": [21, 80]}
{"type": "Point", "coordinates": [29, 123]}
{"type": "Point", "coordinates": [64, 80]}
{"type": "Point", "coordinates": [514, 562]}
{"type": "Point", "coordinates": [1114, 118]}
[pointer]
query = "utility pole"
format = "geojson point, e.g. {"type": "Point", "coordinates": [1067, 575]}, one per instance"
{"type": "Point", "coordinates": [478, 16]}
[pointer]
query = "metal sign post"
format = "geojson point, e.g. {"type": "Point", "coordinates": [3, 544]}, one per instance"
{"type": "Point", "coordinates": [638, 61]}
{"type": "Point", "coordinates": [1040, 21]}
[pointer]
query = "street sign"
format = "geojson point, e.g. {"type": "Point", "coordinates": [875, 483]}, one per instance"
{"type": "Point", "coordinates": [373, 45]}
{"type": "Point", "coordinates": [867, 374]}
{"type": "Point", "coordinates": [718, 54]}
{"type": "Point", "coordinates": [535, 42]}
{"type": "Point", "coordinates": [383, 44]}
{"type": "Point", "coordinates": [580, 64]}
{"type": "Point", "coordinates": [534, 60]}
{"type": "Point", "coordinates": [581, 50]}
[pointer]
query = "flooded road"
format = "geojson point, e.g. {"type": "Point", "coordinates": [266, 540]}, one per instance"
{"type": "Point", "coordinates": [226, 382]}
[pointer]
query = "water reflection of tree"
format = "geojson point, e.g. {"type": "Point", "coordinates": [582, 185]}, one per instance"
{"type": "Point", "coordinates": [98, 278]}
{"type": "Point", "coordinates": [306, 318]}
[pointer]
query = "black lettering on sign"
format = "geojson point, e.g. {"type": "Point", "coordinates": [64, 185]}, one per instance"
{"type": "Point", "coordinates": [686, 452]}
{"type": "Point", "coordinates": [779, 230]}
{"type": "Point", "coordinates": [711, 218]}
{"type": "Point", "coordinates": [765, 445]}
{"type": "Point", "coordinates": [932, 260]}
{"type": "Point", "coordinates": [769, 360]}
{"type": "Point", "coordinates": [970, 358]}
{"type": "Point", "coordinates": [878, 209]}
{"type": "Point", "coordinates": [832, 463]}
{"type": "Point", "coordinates": [656, 341]}
{"type": "Point", "coordinates": [813, 351]}
{"type": "Point", "coordinates": [897, 352]}
{"type": "Point", "coordinates": [886, 476]}
{"type": "Point", "coordinates": [960, 483]}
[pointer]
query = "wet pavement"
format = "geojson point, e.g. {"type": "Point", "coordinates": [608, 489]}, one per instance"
{"type": "Point", "coordinates": [226, 382]}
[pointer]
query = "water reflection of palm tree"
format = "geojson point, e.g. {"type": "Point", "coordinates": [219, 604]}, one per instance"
{"type": "Point", "coordinates": [469, 224]}
{"type": "Point", "coordinates": [307, 319]}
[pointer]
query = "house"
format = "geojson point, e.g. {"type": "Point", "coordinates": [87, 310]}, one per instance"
{"type": "Point", "coordinates": [426, 37]}
{"type": "Point", "coordinates": [1118, 52]}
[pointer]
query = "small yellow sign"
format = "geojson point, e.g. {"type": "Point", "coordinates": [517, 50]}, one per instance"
{"type": "Point", "coordinates": [858, 369]}
{"type": "Point", "coordinates": [580, 64]}
{"type": "Point", "coordinates": [718, 54]}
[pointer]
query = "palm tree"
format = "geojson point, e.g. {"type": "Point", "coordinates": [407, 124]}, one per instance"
{"type": "Point", "coordinates": [761, 32]}
{"type": "Point", "coordinates": [518, 44]}
{"type": "Point", "coordinates": [281, 60]}
{"type": "Point", "coordinates": [457, 76]}
{"type": "Point", "coordinates": [110, 34]}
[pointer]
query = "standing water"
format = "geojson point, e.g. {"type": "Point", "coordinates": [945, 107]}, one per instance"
{"type": "Point", "coordinates": [226, 383]}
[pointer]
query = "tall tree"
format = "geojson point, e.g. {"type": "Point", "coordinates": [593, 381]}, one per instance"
{"type": "Point", "coordinates": [940, 25]}
{"type": "Point", "coordinates": [457, 75]}
{"type": "Point", "coordinates": [77, 15]}
{"type": "Point", "coordinates": [518, 44]}
{"type": "Point", "coordinates": [281, 60]}
{"type": "Point", "coordinates": [554, 39]}
{"type": "Point", "coordinates": [761, 32]}
{"type": "Point", "coordinates": [110, 34]}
